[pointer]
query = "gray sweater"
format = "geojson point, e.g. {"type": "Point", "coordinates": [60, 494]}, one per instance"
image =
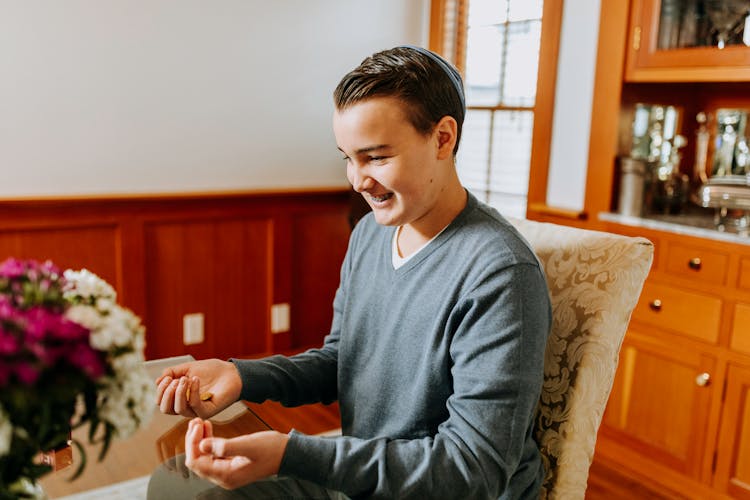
{"type": "Point", "coordinates": [437, 367]}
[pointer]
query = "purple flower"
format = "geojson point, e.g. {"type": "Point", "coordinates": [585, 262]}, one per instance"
{"type": "Point", "coordinates": [7, 311]}
{"type": "Point", "coordinates": [70, 331]}
{"type": "Point", "coordinates": [88, 361]}
{"type": "Point", "coordinates": [27, 373]}
{"type": "Point", "coordinates": [12, 268]}
{"type": "Point", "coordinates": [38, 322]}
{"type": "Point", "coordinates": [8, 343]}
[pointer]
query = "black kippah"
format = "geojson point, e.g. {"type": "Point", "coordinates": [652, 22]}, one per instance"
{"type": "Point", "coordinates": [451, 71]}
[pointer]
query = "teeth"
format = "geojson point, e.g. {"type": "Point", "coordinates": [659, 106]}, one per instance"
{"type": "Point", "coordinates": [381, 198]}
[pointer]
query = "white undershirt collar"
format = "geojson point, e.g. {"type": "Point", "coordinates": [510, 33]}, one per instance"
{"type": "Point", "coordinates": [399, 261]}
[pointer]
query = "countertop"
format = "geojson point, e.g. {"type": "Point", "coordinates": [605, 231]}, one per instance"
{"type": "Point", "coordinates": [699, 223]}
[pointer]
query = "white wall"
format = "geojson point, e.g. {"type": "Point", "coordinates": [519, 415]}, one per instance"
{"type": "Point", "coordinates": [156, 96]}
{"type": "Point", "coordinates": [571, 123]}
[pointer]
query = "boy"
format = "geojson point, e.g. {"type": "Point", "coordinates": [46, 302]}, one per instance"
{"type": "Point", "coordinates": [440, 322]}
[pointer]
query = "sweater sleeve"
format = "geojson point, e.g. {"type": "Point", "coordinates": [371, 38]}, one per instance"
{"type": "Point", "coordinates": [499, 334]}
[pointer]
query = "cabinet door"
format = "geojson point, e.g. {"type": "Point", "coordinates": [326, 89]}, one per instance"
{"type": "Point", "coordinates": [660, 403]}
{"type": "Point", "coordinates": [733, 459]}
{"type": "Point", "coordinates": [669, 43]}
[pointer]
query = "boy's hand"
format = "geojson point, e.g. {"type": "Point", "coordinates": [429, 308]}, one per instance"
{"type": "Point", "coordinates": [199, 388]}
{"type": "Point", "coordinates": [235, 462]}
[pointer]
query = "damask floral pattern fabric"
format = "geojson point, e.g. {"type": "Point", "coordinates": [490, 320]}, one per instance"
{"type": "Point", "coordinates": [594, 279]}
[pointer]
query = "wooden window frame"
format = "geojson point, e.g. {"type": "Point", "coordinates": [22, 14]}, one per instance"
{"type": "Point", "coordinates": [544, 105]}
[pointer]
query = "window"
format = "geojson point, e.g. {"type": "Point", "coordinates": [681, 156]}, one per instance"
{"type": "Point", "coordinates": [495, 44]}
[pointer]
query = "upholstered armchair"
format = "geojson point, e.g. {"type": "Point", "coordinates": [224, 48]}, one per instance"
{"type": "Point", "coordinates": [594, 280]}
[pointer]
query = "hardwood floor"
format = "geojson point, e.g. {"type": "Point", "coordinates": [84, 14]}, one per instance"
{"type": "Point", "coordinates": [605, 482]}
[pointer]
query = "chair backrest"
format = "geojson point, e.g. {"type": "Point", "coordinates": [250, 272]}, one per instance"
{"type": "Point", "coordinates": [594, 280]}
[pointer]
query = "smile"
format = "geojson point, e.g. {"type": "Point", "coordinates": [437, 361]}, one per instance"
{"type": "Point", "coordinates": [381, 198]}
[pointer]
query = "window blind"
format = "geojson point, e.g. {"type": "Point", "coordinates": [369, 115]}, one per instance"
{"type": "Point", "coordinates": [496, 45]}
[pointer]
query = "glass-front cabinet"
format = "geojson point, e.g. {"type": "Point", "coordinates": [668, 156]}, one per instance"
{"type": "Point", "coordinates": [689, 40]}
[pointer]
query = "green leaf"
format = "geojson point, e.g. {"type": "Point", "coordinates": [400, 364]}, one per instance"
{"type": "Point", "coordinates": [108, 432]}
{"type": "Point", "coordinates": [82, 463]}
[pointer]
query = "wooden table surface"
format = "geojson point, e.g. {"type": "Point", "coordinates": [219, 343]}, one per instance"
{"type": "Point", "coordinates": [145, 451]}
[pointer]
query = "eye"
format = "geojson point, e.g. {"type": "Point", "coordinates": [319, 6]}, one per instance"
{"type": "Point", "coordinates": [377, 159]}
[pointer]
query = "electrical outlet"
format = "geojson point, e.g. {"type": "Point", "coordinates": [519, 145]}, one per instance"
{"type": "Point", "coordinates": [192, 328]}
{"type": "Point", "coordinates": [279, 318]}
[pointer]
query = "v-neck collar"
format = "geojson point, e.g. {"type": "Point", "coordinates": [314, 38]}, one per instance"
{"type": "Point", "coordinates": [433, 244]}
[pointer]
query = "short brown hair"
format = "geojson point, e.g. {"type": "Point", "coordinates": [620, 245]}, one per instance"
{"type": "Point", "coordinates": [419, 80]}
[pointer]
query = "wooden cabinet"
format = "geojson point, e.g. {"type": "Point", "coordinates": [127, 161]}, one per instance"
{"type": "Point", "coordinates": [695, 315]}
{"type": "Point", "coordinates": [660, 402]}
{"type": "Point", "coordinates": [744, 275]}
{"type": "Point", "coordinates": [733, 463]}
{"type": "Point", "coordinates": [679, 411]}
{"type": "Point", "coordinates": [689, 261]}
{"type": "Point", "coordinates": [668, 42]}
{"type": "Point", "coordinates": [740, 339]}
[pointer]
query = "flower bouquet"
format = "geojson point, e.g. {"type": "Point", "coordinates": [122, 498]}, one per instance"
{"type": "Point", "coordinates": [68, 355]}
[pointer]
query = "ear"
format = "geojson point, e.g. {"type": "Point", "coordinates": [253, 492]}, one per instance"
{"type": "Point", "coordinates": [446, 132]}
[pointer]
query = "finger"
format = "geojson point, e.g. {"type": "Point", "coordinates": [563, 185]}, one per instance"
{"type": "Point", "coordinates": [208, 429]}
{"type": "Point", "coordinates": [167, 400]}
{"type": "Point", "coordinates": [200, 406]}
{"type": "Point", "coordinates": [195, 391]}
{"type": "Point", "coordinates": [161, 387]}
{"type": "Point", "coordinates": [172, 372]}
{"type": "Point", "coordinates": [221, 447]}
{"type": "Point", "coordinates": [177, 370]}
{"type": "Point", "coordinates": [193, 437]}
{"type": "Point", "coordinates": [180, 400]}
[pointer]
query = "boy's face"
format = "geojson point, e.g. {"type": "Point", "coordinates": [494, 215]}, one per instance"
{"type": "Point", "coordinates": [399, 171]}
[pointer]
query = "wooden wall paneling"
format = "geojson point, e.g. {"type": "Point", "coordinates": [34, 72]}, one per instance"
{"type": "Point", "coordinates": [243, 268]}
{"type": "Point", "coordinates": [319, 245]}
{"type": "Point", "coordinates": [217, 268]}
{"type": "Point", "coordinates": [228, 255]}
{"type": "Point", "coordinates": [260, 269]}
{"type": "Point", "coordinates": [87, 246]}
{"type": "Point", "coordinates": [282, 279]}
{"type": "Point", "coordinates": [130, 257]}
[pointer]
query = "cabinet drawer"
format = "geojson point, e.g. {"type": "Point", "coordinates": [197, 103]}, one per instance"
{"type": "Point", "coordinates": [744, 279]}
{"type": "Point", "coordinates": [693, 314]}
{"type": "Point", "coordinates": [741, 329]}
{"type": "Point", "coordinates": [697, 263]}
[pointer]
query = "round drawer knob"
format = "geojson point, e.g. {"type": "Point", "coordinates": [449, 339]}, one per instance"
{"type": "Point", "coordinates": [695, 263]}
{"type": "Point", "coordinates": [655, 305]}
{"type": "Point", "coordinates": [703, 379]}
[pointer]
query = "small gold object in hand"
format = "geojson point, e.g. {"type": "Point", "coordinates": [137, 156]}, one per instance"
{"type": "Point", "coordinates": [205, 396]}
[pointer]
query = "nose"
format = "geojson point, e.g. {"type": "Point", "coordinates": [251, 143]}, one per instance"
{"type": "Point", "coordinates": [359, 179]}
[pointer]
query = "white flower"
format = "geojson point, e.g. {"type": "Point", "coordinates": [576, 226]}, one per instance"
{"type": "Point", "coordinates": [105, 304]}
{"type": "Point", "coordinates": [126, 362]}
{"type": "Point", "coordinates": [6, 432]}
{"type": "Point", "coordinates": [85, 316]}
{"type": "Point", "coordinates": [125, 399]}
{"type": "Point", "coordinates": [86, 284]}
